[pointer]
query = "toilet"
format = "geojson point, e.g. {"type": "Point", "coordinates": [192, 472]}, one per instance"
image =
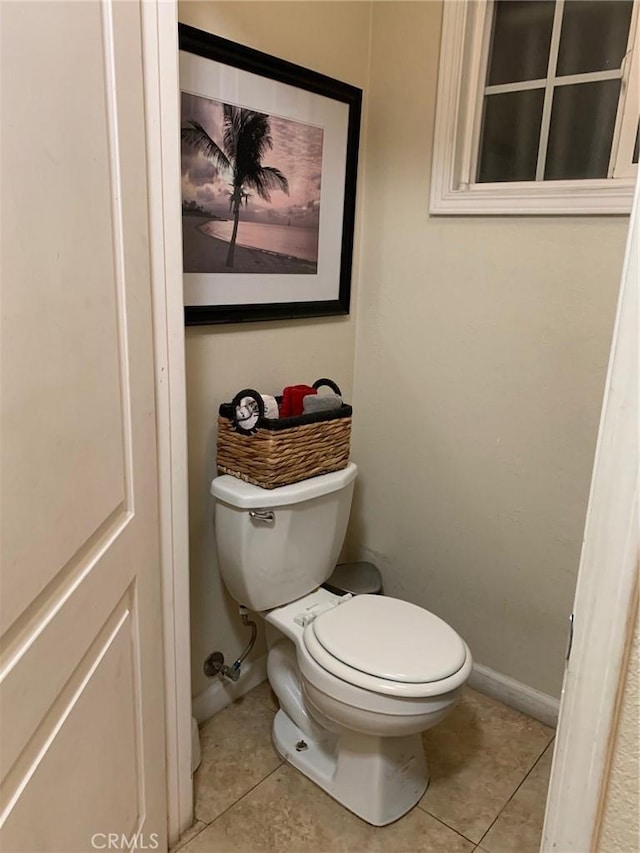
{"type": "Point", "coordinates": [358, 678]}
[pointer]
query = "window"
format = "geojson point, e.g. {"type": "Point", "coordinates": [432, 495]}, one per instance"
{"type": "Point", "coordinates": [538, 106]}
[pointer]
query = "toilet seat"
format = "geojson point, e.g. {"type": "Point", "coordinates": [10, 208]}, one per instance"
{"type": "Point", "coordinates": [389, 647]}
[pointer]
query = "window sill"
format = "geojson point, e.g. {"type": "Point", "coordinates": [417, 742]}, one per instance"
{"type": "Point", "coordinates": [578, 198]}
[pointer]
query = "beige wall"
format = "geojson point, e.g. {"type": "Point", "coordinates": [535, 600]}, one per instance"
{"type": "Point", "coordinates": [479, 368]}
{"type": "Point", "coordinates": [331, 38]}
{"type": "Point", "coordinates": [481, 355]}
{"type": "Point", "coordinates": [620, 828]}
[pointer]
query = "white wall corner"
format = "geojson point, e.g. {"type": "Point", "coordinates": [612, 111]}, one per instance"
{"type": "Point", "coordinates": [221, 693]}
{"type": "Point", "coordinates": [515, 694]}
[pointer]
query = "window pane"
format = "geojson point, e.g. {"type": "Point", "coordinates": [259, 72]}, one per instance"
{"type": "Point", "coordinates": [510, 136]}
{"type": "Point", "coordinates": [594, 35]}
{"type": "Point", "coordinates": [581, 132]}
{"type": "Point", "coordinates": [520, 40]}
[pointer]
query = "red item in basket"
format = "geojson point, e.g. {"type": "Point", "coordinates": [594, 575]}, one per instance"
{"type": "Point", "coordinates": [292, 397]}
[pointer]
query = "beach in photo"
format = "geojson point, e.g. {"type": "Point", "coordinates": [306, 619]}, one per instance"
{"type": "Point", "coordinates": [208, 254]}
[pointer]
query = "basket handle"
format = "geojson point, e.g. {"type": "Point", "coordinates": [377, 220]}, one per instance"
{"type": "Point", "coordinates": [247, 425]}
{"type": "Point", "coordinates": [329, 383]}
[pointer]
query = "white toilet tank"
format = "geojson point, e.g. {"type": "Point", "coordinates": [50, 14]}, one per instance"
{"type": "Point", "coordinates": [276, 545]}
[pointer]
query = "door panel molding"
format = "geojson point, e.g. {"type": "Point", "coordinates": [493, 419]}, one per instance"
{"type": "Point", "coordinates": [26, 629]}
{"type": "Point", "coordinates": [59, 655]}
{"type": "Point", "coordinates": [117, 225]}
{"type": "Point", "coordinates": [123, 618]}
{"type": "Point", "coordinates": [14, 610]}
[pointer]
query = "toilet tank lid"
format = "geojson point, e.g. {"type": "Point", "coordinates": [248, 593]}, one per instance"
{"type": "Point", "coordinates": [231, 490]}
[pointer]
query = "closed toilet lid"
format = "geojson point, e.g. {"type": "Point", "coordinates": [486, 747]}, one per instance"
{"type": "Point", "coordinates": [390, 639]}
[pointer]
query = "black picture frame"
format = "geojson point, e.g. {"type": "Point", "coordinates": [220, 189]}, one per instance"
{"type": "Point", "coordinates": [207, 64]}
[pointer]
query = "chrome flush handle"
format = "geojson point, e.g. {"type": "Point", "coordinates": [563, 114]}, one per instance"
{"type": "Point", "coordinates": [264, 516]}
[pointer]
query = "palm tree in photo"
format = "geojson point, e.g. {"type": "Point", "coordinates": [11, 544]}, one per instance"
{"type": "Point", "coordinates": [246, 139]}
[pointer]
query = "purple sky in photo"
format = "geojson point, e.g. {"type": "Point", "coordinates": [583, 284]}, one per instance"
{"type": "Point", "coordinates": [297, 152]}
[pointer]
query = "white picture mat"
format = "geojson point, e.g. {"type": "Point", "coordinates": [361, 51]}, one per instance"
{"type": "Point", "coordinates": [210, 79]}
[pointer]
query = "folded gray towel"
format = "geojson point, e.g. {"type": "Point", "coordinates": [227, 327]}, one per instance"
{"type": "Point", "coordinates": [320, 403]}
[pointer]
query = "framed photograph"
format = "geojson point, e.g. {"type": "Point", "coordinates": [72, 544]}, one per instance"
{"type": "Point", "coordinates": [269, 162]}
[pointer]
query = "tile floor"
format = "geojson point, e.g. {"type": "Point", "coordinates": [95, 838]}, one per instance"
{"type": "Point", "coordinates": [489, 770]}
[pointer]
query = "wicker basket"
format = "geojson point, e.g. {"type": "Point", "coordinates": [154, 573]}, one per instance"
{"type": "Point", "coordinates": [277, 452]}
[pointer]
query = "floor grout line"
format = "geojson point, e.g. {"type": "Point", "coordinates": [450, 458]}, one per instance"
{"type": "Point", "coordinates": [444, 823]}
{"type": "Point", "coordinates": [281, 760]}
{"type": "Point", "coordinates": [466, 837]}
{"type": "Point", "coordinates": [180, 846]}
{"type": "Point", "coordinates": [527, 774]}
{"type": "Point", "coordinates": [235, 802]}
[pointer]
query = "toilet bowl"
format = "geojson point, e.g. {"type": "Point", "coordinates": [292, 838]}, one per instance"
{"type": "Point", "coordinates": [360, 733]}
{"type": "Point", "coordinates": [347, 626]}
{"type": "Point", "coordinates": [358, 678]}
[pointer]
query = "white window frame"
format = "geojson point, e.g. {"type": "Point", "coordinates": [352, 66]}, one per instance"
{"type": "Point", "coordinates": [461, 88]}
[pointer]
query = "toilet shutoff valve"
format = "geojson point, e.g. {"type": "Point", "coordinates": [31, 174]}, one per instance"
{"type": "Point", "coordinates": [215, 665]}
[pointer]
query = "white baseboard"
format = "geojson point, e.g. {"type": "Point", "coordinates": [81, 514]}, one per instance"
{"type": "Point", "coordinates": [515, 694]}
{"type": "Point", "coordinates": [221, 693]}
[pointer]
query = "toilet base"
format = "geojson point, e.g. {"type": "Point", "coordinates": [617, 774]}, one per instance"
{"type": "Point", "coordinates": [377, 778]}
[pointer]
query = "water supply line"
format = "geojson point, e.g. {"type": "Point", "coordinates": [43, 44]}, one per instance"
{"type": "Point", "coordinates": [215, 664]}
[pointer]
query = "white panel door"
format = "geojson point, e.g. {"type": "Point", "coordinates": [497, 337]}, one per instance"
{"type": "Point", "coordinates": [81, 695]}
